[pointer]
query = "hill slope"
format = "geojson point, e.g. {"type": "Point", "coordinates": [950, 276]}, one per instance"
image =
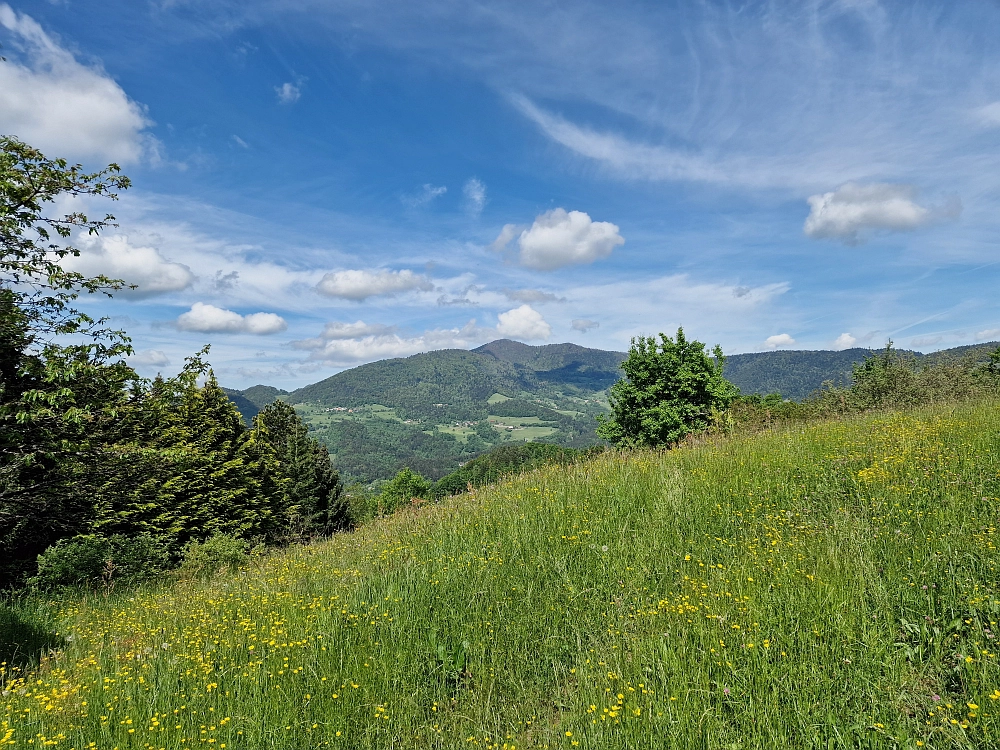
{"type": "Point", "coordinates": [828, 586]}
{"type": "Point", "coordinates": [436, 410]}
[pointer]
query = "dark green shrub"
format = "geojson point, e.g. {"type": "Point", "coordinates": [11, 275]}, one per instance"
{"type": "Point", "coordinates": [407, 485]}
{"type": "Point", "coordinates": [92, 560]}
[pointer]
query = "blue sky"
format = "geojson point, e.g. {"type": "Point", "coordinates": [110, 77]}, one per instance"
{"type": "Point", "coordinates": [322, 184]}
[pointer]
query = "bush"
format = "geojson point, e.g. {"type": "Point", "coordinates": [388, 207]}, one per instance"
{"type": "Point", "coordinates": [91, 560]}
{"type": "Point", "coordinates": [671, 388]}
{"type": "Point", "coordinates": [407, 485]}
{"type": "Point", "coordinates": [203, 560]}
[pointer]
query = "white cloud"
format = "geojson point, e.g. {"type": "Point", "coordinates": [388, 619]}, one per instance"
{"type": "Point", "coordinates": [65, 108]}
{"type": "Point", "coordinates": [989, 115]}
{"type": "Point", "coordinates": [211, 319]}
{"type": "Point", "coordinates": [849, 212]}
{"type": "Point", "coordinates": [143, 266]}
{"type": "Point", "coordinates": [844, 341]}
{"type": "Point", "coordinates": [351, 343]}
{"type": "Point", "coordinates": [361, 284]}
{"type": "Point", "coordinates": [531, 295]}
{"type": "Point", "coordinates": [523, 322]}
{"type": "Point", "coordinates": [926, 340]}
{"type": "Point", "coordinates": [561, 238]}
{"type": "Point", "coordinates": [337, 331]}
{"type": "Point", "coordinates": [509, 232]}
{"type": "Point", "coordinates": [425, 195]}
{"type": "Point", "coordinates": [288, 93]}
{"type": "Point", "coordinates": [989, 334]}
{"type": "Point", "coordinates": [474, 191]}
{"type": "Point", "coordinates": [332, 331]}
{"type": "Point", "coordinates": [781, 339]}
{"type": "Point", "coordinates": [240, 142]}
{"type": "Point", "coordinates": [150, 358]}
{"type": "Point", "coordinates": [634, 159]}
{"type": "Point", "coordinates": [379, 342]}
{"type": "Point", "coordinates": [583, 325]}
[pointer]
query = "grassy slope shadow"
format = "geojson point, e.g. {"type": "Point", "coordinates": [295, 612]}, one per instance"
{"type": "Point", "coordinates": [25, 634]}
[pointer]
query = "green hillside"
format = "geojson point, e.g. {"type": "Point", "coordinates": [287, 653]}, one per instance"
{"type": "Point", "coordinates": [826, 586]}
{"type": "Point", "coordinates": [434, 411]}
{"type": "Point", "coordinates": [796, 374]}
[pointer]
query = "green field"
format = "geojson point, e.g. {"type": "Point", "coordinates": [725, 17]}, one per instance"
{"type": "Point", "coordinates": [827, 586]}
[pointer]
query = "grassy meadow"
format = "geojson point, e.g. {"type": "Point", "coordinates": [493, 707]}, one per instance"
{"type": "Point", "coordinates": [827, 586]}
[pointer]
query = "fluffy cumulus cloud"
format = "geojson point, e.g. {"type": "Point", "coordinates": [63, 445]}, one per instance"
{"type": "Point", "coordinates": [141, 266]}
{"type": "Point", "coordinates": [561, 238]}
{"type": "Point", "coordinates": [855, 209]}
{"type": "Point", "coordinates": [583, 325]}
{"type": "Point", "coordinates": [63, 107]}
{"type": "Point", "coordinates": [844, 341]}
{"type": "Point", "coordinates": [288, 93]}
{"type": "Point", "coordinates": [150, 358]}
{"type": "Point", "coordinates": [359, 285]}
{"type": "Point", "coordinates": [523, 322]}
{"type": "Point", "coordinates": [990, 334]}
{"type": "Point", "coordinates": [779, 340]}
{"type": "Point", "coordinates": [475, 196]}
{"type": "Point", "coordinates": [203, 318]}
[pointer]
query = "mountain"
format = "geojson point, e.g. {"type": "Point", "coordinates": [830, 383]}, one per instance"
{"type": "Point", "coordinates": [796, 374]}
{"type": "Point", "coordinates": [437, 410]}
{"type": "Point", "coordinates": [458, 383]}
{"type": "Point", "coordinates": [262, 395]}
{"type": "Point", "coordinates": [253, 399]}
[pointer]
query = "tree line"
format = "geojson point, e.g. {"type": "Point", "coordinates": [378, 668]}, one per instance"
{"type": "Point", "coordinates": [93, 457]}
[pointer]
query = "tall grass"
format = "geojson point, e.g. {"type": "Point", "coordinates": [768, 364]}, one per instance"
{"type": "Point", "coordinates": [828, 586]}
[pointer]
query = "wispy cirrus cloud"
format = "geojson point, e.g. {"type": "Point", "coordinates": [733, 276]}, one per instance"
{"type": "Point", "coordinates": [474, 193]}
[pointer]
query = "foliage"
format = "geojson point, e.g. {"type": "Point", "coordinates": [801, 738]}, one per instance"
{"type": "Point", "coordinates": [218, 553]}
{"type": "Point", "coordinates": [671, 388]}
{"type": "Point", "coordinates": [57, 399]}
{"type": "Point", "coordinates": [886, 380]}
{"type": "Point", "coordinates": [371, 449]}
{"type": "Point", "coordinates": [799, 588]}
{"type": "Point", "coordinates": [313, 490]}
{"type": "Point", "coordinates": [89, 560]}
{"type": "Point", "coordinates": [97, 464]}
{"type": "Point", "coordinates": [407, 485]}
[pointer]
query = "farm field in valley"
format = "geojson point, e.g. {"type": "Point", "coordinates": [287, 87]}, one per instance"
{"type": "Point", "coordinates": [826, 586]}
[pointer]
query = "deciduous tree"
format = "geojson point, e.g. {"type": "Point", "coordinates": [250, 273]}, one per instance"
{"type": "Point", "coordinates": [671, 388]}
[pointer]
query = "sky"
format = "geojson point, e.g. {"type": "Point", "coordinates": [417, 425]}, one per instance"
{"type": "Point", "coordinates": [320, 183]}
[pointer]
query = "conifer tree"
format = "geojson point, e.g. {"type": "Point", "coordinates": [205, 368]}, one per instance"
{"type": "Point", "coordinates": [313, 489]}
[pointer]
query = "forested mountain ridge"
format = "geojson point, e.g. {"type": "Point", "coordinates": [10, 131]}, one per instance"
{"type": "Point", "coordinates": [436, 410]}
